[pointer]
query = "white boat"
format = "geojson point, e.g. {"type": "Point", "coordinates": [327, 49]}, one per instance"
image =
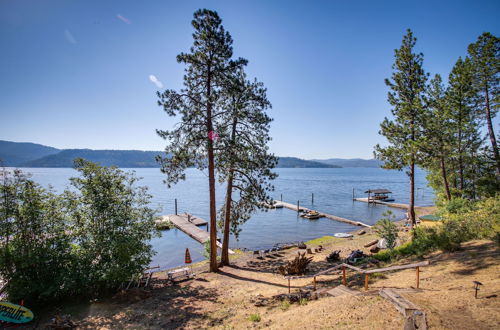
{"type": "Point", "coordinates": [342, 235]}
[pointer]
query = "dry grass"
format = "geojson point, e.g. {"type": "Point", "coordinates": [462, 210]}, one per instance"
{"type": "Point", "coordinates": [227, 300]}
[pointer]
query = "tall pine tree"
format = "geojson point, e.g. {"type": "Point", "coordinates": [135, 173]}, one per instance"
{"type": "Point", "coordinates": [485, 56]}
{"type": "Point", "coordinates": [245, 162]}
{"type": "Point", "coordinates": [404, 132]}
{"type": "Point", "coordinates": [191, 142]}
{"type": "Point", "coordinates": [464, 120]}
{"type": "Point", "coordinates": [438, 136]}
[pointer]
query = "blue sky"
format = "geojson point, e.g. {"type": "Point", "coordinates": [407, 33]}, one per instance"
{"type": "Point", "coordinates": [75, 74]}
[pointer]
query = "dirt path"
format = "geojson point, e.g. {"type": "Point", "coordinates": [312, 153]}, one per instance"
{"type": "Point", "coordinates": [227, 300]}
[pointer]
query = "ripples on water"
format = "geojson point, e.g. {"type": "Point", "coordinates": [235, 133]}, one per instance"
{"type": "Point", "coordinates": [332, 188]}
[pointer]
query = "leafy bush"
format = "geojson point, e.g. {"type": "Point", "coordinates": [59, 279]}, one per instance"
{"type": "Point", "coordinates": [112, 225]}
{"type": "Point", "coordinates": [254, 317]}
{"type": "Point", "coordinates": [463, 221]}
{"type": "Point", "coordinates": [387, 229]}
{"type": "Point", "coordinates": [35, 251]}
{"type": "Point", "coordinates": [84, 241]}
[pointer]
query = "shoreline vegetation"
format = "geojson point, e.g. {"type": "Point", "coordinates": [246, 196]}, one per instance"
{"type": "Point", "coordinates": [81, 258]}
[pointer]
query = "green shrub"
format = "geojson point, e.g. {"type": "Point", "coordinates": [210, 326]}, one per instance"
{"type": "Point", "coordinates": [463, 221]}
{"type": "Point", "coordinates": [254, 317]}
{"type": "Point", "coordinates": [387, 229]}
{"type": "Point", "coordinates": [82, 242]}
{"type": "Point", "coordinates": [35, 251]}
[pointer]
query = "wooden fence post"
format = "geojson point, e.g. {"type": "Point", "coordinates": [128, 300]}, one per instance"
{"type": "Point", "coordinates": [314, 280]}
{"type": "Point", "coordinates": [418, 277]}
{"type": "Point", "coordinates": [344, 279]}
{"type": "Point", "coordinates": [366, 282]}
{"type": "Point", "coordinates": [288, 286]}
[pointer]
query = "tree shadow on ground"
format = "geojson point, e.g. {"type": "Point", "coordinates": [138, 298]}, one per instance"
{"type": "Point", "coordinates": [474, 257]}
{"type": "Point", "coordinates": [249, 279]}
{"type": "Point", "coordinates": [161, 306]}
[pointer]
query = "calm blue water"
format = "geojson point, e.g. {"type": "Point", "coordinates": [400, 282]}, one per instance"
{"type": "Point", "coordinates": [332, 188]}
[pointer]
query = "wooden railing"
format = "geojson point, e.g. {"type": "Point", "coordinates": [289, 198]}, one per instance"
{"type": "Point", "coordinates": [362, 271]}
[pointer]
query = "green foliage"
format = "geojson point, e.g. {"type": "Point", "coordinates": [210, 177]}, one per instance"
{"type": "Point", "coordinates": [85, 241]}
{"type": "Point", "coordinates": [387, 229]}
{"type": "Point", "coordinates": [112, 225]}
{"type": "Point", "coordinates": [303, 301]}
{"type": "Point", "coordinates": [485, 60]}
{"type": "Point", "coordinates": [162, 224]}
{"type": "Point", "coordinates": [285, 305]}
{"type": "Point", "coordinates": [200, 105]}
{"type": "Point", "coordinates": [405, 131]}
{"type": "Point", "coordinates": [464, 221]}
{"type": "Point", "coordinates": [206, 250]}
{"type": "Point", "coordinates": [35, 251]}
{"type": "Point", "coordinates": [244, 162]}
{"type": "Point", "coordinates": [254, 317]}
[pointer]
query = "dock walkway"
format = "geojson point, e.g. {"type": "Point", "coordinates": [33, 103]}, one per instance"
{"type": "Point", "coordinates": [191, 227]}
{"type": "Point", "coordinates": [322, 214]}
{"type": "Point", "coordinates": [395, 205]}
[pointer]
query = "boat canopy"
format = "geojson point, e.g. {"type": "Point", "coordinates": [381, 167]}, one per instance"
{"type": "Point", "coordinates": [378, 191]}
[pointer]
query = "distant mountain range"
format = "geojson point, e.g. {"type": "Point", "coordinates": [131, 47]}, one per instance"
{"type": "Point", "coordinates": [354, 162]}
{"type": "Point", "coordinates": [18, 154]}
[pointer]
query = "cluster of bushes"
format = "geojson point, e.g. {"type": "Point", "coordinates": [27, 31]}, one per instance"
{"type": "Point", "coordinates": [463, 220]}
{"type": "Point", "coordinates": [85, 241]}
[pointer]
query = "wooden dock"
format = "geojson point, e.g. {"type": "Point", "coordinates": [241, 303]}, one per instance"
{"type": "Point", "coordinates": [190, 227]}
{"type": "Point", "coordinates": [390, 204]}
{"type": "Point", "coordinates": [322, 214]}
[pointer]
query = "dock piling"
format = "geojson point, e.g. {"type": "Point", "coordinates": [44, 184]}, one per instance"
{"type": "Point", "coordinates": [298, 207]}
{"type": "Point", "coordinates": [281, 197]}
{"type": "Point", "coordinates": [312, 198]}
{"type": "Point", "coordinates": [176, 206]}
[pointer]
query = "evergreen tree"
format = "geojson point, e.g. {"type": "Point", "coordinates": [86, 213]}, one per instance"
{"type": "Point", "coordinates": [437, 143]}
{"type": "Point", "coordinates": [245, 164]}
{"type": "Point", "coordinates": [485, 56]}
{"type": "Point", "coordinates": [460, 97]}
{"type": "Point", "coordinates": [191, 142]}
{"type": "Point", "coordinates": [404, 132]}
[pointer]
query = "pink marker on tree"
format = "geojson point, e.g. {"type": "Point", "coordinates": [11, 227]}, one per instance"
{"type": "Point", "coordinates": [213, 136]}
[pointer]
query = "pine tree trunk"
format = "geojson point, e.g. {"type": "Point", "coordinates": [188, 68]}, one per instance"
{"type": "Point", "coordinates": [445, 179]}
{"type": "Point", "coordinates": [227, 220]}
{"type": "Point", "coordinates": [491, 132]}
{"type": "Point", "coordinates": [211, 180]}
{"type": "Point", "coordinates": [460, 158]}
{"type": "Point", "coordinates": [229, 192]}
{"type": "Point", "coordinates": [411, 206]}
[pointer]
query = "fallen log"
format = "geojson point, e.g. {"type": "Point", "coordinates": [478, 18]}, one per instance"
{"type": "Point", "coordinates": [371, 243]}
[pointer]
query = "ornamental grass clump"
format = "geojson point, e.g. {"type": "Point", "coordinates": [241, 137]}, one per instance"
{"type": "Point", "coordinates": [297, 266]}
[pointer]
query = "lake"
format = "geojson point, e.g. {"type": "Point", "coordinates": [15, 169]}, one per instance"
{"type": "Point", "coordinates": [332, 188]}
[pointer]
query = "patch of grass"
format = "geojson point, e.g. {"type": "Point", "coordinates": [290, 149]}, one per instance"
{"type": "Point", "coordinates": [321, 240]}
{"type": "Point", "coordinates": [378, 275]}
{"type": "Point", "coordinates": [254, 318]}
{"type": "Point", "coordinates": [161, 224]}
{"type": "Point", "coordinates": [285, 305]}
{"type": "Point", "coordinates": [303, 301]}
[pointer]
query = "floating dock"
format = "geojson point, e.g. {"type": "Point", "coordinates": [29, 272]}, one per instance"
{"type": "Point", "coordinates": [374, 201]}
{"type": "Point", "coordinates": [190, 227]}
{"type": "Point", "coordinates": [325, 215]}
